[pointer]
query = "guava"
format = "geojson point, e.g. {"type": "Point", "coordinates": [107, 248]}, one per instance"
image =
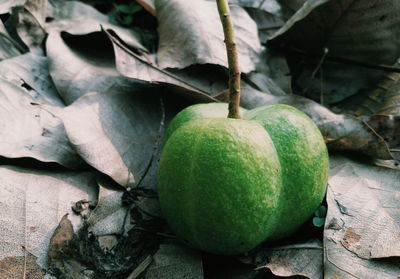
{"type": "Point", "coordinates": [226, 185]}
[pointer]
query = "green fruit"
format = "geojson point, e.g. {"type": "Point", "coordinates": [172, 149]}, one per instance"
{"type": "Point", "coordinates": [225, 185]}
{"type": "Point", "coordinates": [211, 110]}
{"type": "Point", "coordinates": [304, 161]}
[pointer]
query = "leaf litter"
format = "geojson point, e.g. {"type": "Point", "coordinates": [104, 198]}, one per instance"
{"type": "Point", "coordinates": [121, 90]}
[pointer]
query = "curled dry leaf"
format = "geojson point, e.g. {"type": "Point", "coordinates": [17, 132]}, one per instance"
{"type": "Point", "coordinates": [81, 58]}
{"type": "Point", "coordinates": [26, 129]}
{"type": "Point", "coordinates": [77, 18]}
{"type": "Point", "coordinates": [384, 99]}
{"type": "Point", "coordinates": [8, 46]}
{"type": "Point", "coordinates": [362, 222]}
{"type": "Point", "coordinates": [74, 76]}
{"type": "Point", "coordinates": [363, 212]}
{"type": "Point", "coordinates": [59, 246]}
{"type": "Point", "coordinates": [116, 132]}
{"type": "Point", "coordinates": [33, 202]}
{"type": "Point", "coordinates": [272, 73]}
{"type": "Point", "coordinates": [388, 127]}
{"type": "Point", "coordinates": [6, 5]}
{"type": "Point", "coordinates": [108, 217]}
{"type": "Point", "coordinates": [269, 15]}
{"type": "Point", "coordinates": [346, 32]}
{"type": "Point", "coordinates": [272, 6]}
{"type": "Point", "coordinates": [29, 24]}
{"type": "Point", "coordinates": [191, 33]}
{"type": "Point", "coordinates": [304, 259]}
{"type": "Point", "coordinates": [141, 67]}
{"type": "Point", "coordinates": [117, 255]}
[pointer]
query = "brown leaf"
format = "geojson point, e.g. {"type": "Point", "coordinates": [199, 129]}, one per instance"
{"type": "Point", "coordinates": [346, 29]}
{"type": "Point", "coordinates": [61, 257]}
{"type": "Point", "coordinates": [148, 5]}
{"type": "Point", "coordinates": [59, 242]}
{"type": "Point", "coordinates": [362, 221]}
{"type": "Point", "coordinates": [141, 67]}
{"type": "Point", "coordinates": [388, 127]}
{"type": "Point", "coordinates": [19, 267]}
{"type": "Point", "coordinates": [303, 259]}
{"type": "Point", "coordinates": [191, 33]}
{"type": "Point", "coordinates": [384, 99]}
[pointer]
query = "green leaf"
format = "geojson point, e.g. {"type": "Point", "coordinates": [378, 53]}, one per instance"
{"type": "Point", "coordinates": [321, 212]}
{"type": "Point", "coordinates": [127, 19]}
{"type": "Point", "coordinates": [129, 9]}
{"type": "Point", "coordinates": [318, 222]}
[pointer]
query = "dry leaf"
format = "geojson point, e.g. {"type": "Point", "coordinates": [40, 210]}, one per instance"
{"type": "Point", "coordinates": [346, 29]}
{"type": "Point", "coordinates": [59, 242]}
{"type": "Point", "coordinates": [304, 259]}
{"type": "Point", "coordinates": [33, 202]}
{"type": "Point", "coordinates": [191, 33]}
{"type": "Point", "coordinates": [117, 132]}
{"type": "Point", "coordinates": [26, 129]}
{"type": "Point", "coordinates": [6, 5]}
{"type": "Point", "coordinates": [109, 215]}
{"type": "Point", "coordinates": [17, 267]}
{"type": "Point", "coordinates": [363, 202]}
{"type": "Point", "coordinates": [8, 46]}
{"type": "Point", "coordinates": [173, 260]}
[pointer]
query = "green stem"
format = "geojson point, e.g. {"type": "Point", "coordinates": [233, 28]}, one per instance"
{"type": "Point", "coordinates": [233, 59]}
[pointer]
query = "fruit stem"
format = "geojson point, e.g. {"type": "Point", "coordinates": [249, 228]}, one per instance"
{"type": "Point", "coordinates": [233, 59]}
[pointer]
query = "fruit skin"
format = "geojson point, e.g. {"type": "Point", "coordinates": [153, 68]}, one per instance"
{"type": "Point", "coordinates": [210, 110]}
{"type": "Point", "coordinates": [226, 185]}
{"type": "Point", "coordinates": [304, 161]}
{"type": "Point", "coordinates": [211, 191]}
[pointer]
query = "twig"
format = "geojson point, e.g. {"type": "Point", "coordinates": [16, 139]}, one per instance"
{"type": "Point", "coordinates": [233, 59]}
{"type": "Point", "coordinates": [141, 267]}
{"type": "Point", "coordinates": [25, 255]}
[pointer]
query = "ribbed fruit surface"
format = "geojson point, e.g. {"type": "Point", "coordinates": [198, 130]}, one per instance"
{"type": "Point", "coordinates": [225, 185]}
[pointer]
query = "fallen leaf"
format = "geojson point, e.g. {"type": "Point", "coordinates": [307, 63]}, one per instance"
{"type": "Point", "coordinates": [173, 260]}
{"type": "Point", "coordinates": [26, 129]}
{"type": "Point", "coordinates": [29, 24]}
{"type": "Point", "coordinates": [32, 203]}
{"type": "Point", "coordinates": [304, 259]}
{"type": "Point", "coordinates": [272, 73]}
{"type": "Point", "coordinates": [8, 46]}
{"type": "Point", "coordinates": [74, 76]}
{"type": "Point", "coordinates": [59, 242]}
{"type": "Point", "coordinates": [6, 5]}
{"type": "Point", "coordinates": [109, 215]}
{"type": "Point", "coordinates": [82, 60]}
{"type": "Point", "coordinates": [20, 266]}
{"type": "Point", "coordinates": [129, 251]}
{"type": "Point", "coordinates": [272, 6]}
{"type": "Point", "coordinates": [344, 30]}
{"type": "Point", "coordinates": [363, 199]}
{"type": "Point", "coordinates": [383, 99]}
{"type": "Point", "coordinates": [141, 67]}
{"type": "Point", "coordinates": [191, 33]}
{"type": "Point", "coordinates": [116, 132]}
{"type": "Point", "coordinates": [268, 15]}
{"type": "Point", "coordinates": [77, 18]}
